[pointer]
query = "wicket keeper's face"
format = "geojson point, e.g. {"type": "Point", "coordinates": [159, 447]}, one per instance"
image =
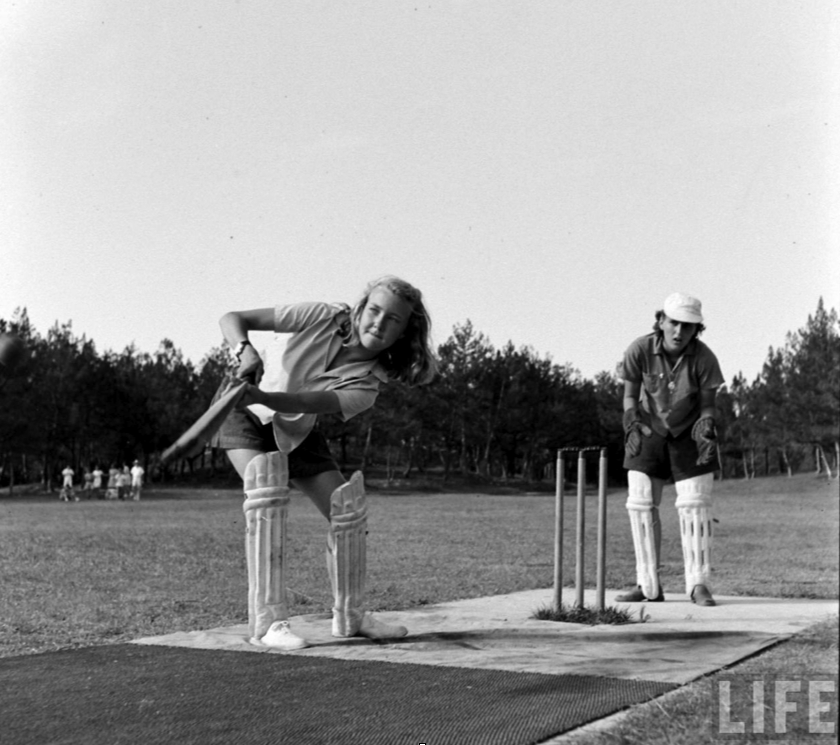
{"type": "Point", "coordinates": [383, 320]}
{"type": "Point", "coordinates": [676, 335]}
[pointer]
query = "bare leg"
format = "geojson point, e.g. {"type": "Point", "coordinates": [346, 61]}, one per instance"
{"type": "Point", "coordinates": [241, 458]}
{"type": "Point", "coordinates": [319, 488]}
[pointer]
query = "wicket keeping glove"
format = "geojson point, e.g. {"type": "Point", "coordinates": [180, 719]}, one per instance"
{"type": "Point", "coordinates": [634, 429]}
{"type": "Point", "coordinates": [704, 433]}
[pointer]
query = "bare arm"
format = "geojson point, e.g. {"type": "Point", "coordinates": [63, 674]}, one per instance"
{"type": "Point", "coordinates": [632, 392]}
{"type": "Point", "coordinates": [306, 402]}
{"type": "Point", "coordinates": [707, 402]}
{"type": "Point", "coordinates": [236, 324]}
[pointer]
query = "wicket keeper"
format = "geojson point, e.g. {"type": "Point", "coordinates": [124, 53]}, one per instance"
{"type": "Point", "coordinates": [670, 382]}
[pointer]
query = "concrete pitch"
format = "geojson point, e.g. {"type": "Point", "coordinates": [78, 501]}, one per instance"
{"type": "Point", "coordinates": [678, 643]}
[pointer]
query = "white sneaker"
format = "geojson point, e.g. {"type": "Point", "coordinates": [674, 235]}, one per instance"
{"type": "Point", "coordinates": [373, 629]}
{"type": "Point", "coordinates": [280, 636]}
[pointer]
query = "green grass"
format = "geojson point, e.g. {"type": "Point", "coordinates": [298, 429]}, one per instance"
{"type": "Point", "coordinates": [590, 616]}
{"type": "Point", "coordinates": [687, 716]}
{"type": "Point", "coordinates": [91, 573]}
{"type": "Point", "coordinates": [82, 573]}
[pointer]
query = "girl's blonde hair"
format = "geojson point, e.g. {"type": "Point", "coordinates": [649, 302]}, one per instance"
{"type": "Point", "coordinates": [410, 359]}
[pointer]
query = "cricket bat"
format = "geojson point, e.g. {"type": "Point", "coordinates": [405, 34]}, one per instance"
{"type": "Point", "coordinates": [191, 443]}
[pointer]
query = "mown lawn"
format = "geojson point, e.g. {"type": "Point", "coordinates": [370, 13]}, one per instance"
{"type": "Point", "coordinates": [77, 574]}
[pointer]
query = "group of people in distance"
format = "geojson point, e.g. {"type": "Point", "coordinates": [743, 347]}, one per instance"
{"type": "Point", "coordinates": [335, 360]}
{"type": "Point", "coordinates": [124, 483]}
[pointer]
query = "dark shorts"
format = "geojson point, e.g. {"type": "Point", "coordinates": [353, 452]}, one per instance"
{"type": "Point", "coordinates": [242, 430]}
{"type": "Point", "coordinates": [669, 458]}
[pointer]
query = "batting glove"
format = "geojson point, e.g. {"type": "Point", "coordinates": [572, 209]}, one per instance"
{"type": "Point", "coordinates": [634, 429]}
{"type": "Point", "coordinates": [704, 433]}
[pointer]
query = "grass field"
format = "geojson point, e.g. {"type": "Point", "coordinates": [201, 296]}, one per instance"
{"type": "Point", "coordinates": [91, 573]}
{"type": "Point", "coordinates": [83, 573]}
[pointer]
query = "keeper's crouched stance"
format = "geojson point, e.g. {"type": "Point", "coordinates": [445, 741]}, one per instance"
{"type": "Point", "coordinates": [694, 506]}
{"type": "Point", "coordinates": [670, 383]}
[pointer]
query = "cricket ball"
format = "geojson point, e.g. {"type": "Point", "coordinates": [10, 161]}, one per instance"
{"type": "Point", "coordinates": [12, 351]}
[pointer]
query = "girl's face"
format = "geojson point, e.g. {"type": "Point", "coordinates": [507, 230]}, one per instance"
{"type": "Point", "coordinates": [676, 335]}
{"type": "Point", "coordinates": [383, 320]}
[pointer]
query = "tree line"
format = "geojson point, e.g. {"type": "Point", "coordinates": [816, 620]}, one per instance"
{"type": "Point", "coordinates": [491, 414]}
{"type": "Point", "coordinates": [788, 418]}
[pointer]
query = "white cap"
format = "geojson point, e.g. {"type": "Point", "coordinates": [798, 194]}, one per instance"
{"type": "Point", "coordinates": [683, 308]}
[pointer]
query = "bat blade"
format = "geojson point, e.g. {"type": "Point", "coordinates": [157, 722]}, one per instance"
{"type": "Point", "coordinates": [191, 443]}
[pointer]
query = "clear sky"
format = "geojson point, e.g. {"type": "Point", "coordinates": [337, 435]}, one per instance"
{"type": "Point", "coordinates": [549, 170]}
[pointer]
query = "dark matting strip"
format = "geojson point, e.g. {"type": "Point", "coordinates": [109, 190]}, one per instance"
{"type": "Point", "coordinates": [127, 693]}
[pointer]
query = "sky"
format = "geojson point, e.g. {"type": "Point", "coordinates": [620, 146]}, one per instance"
{"type": "Point", "coordinates": [549, 171]}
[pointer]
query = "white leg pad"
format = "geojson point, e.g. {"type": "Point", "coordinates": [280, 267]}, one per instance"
{"type": "Point", "coordinates": [266, 509]}
{"type": "Point", "coordinates": [347, 555]}
{"type": "Point", "coordinates": [346, 562]}
{"type": "Point", "coordinates": [694, 505]}
{"type": "Point", "coordinates": [640, 510]}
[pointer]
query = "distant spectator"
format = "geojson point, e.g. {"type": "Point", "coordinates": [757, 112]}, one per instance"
{"type": "Point", "coordinates": [113, 485]}
{"type": "Point", "coordinates": [123, 483]}
{"type": "Point", "coordinates": [97, 482]}
{"type": "Point", "coordinates": [87, 486]}
{"type": "Point", "coordinates": [136, 480]}
{"type": "Point", "coordinates": [67, 484]}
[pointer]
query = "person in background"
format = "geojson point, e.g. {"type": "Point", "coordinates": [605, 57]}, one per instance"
{"type": "Point", "coordinates": [97, 482]}
{"type": "Point", "coordinates": [66, 494]}
{"type": "Point", "coordinates": [136, 480]}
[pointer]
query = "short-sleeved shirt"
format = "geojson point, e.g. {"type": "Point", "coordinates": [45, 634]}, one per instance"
{"type": "Point", "coordinates": [671, 393]}
{"type": "Point", "coordinates": [318, 331]}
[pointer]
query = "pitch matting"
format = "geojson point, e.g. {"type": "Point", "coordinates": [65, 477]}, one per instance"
{"type": "Point", "coordinates": [130, 693]}
{"type": "Point", "coordinates": [474, 671]}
